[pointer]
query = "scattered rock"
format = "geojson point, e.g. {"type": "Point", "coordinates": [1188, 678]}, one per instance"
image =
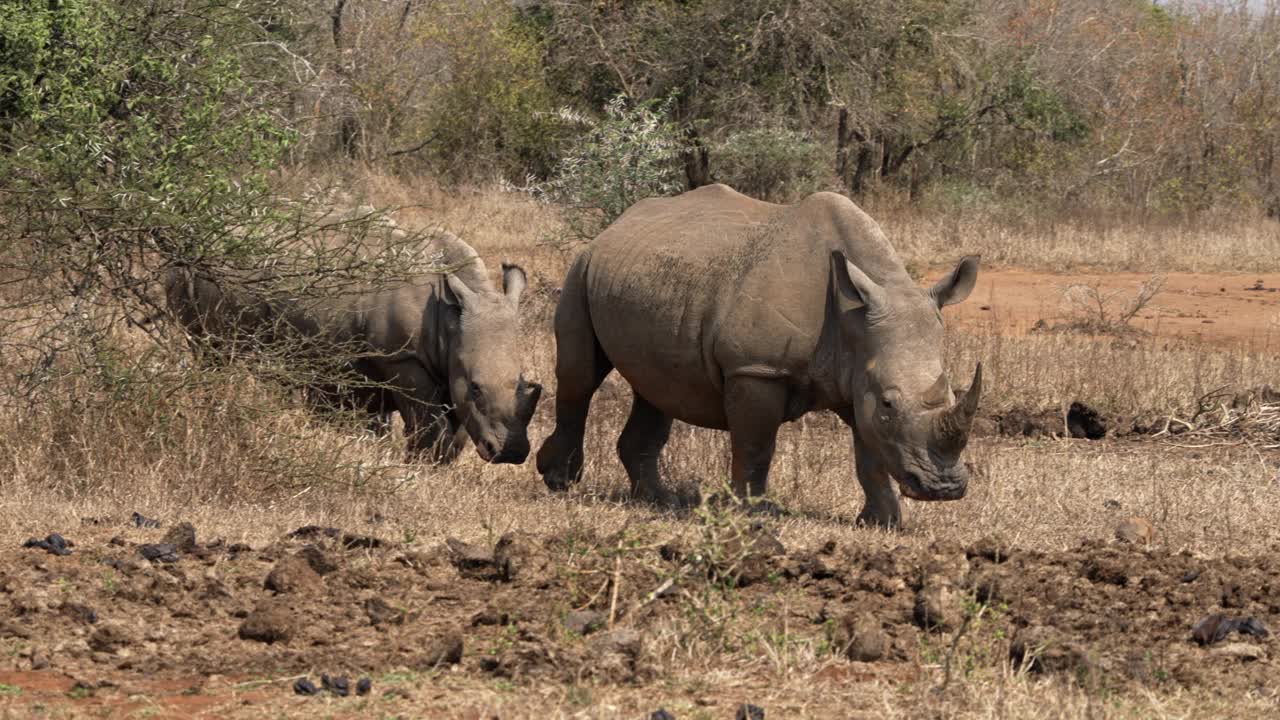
{"type": "Point", "coordinates": [292, 575]}
{"type": "Point", "coordinates": [1135, 531]}
{"type": "Point", "coordinates": [270, 622]}
{"type": "Point", "coordinates": [1242, 651]}
{"type": "Point", "coordinates": [39, 661]}
{"type": "Point", "coordinates": [380, 613]}
{"type": "Point", "coordinates": [1214, 628]}
{"type": "Point", "coordinates": [182, 537]}
{"type": "Point", "coordinates": [1043, 649]}
{"type": "Point", "coordinates": [510, 555]}
{"type": "Point", "coordinates": [1085, 422]}
{"type": "Point", "coordinates": [584, 622]}
{"type": "Point", "coordinates": [661, 714]}
{"type": "Point", "coordinates": [110, 637]}
{"type": "Point", "coordinates": [443, 650]}
{"type": "Point", "coordinates": [318, 559]}
{"type": "Point", "coordinates": [1111, 504]}
{"type": "Point", "coordinates": [986, 584]}
{"type": "Point", "coordinates": [490, 616]}
{"type": "Point", "coordinates": [309, 532]}
{"type": "Point", "coordinates": [142, 521]}
{"type": "Point", "coordinates": [1020, 422]}
{"type": "Point", "coordinates": [616, 654]}
{"type": "Point", "coordinates": [339, 686]}
{"type": "Point", "coordinates": [54, 544]}
{"type": "Point", "coordinates": [992, 548]}
{"type": "Point", "coordinates": [860, 637]}
{"type": "Point", "coordinates": [80, 613]}
{"type": "Point", "coordinates": [363, 686]}
{"type": "Point", "coordinates": [472, 561]}
{"type": "Point", "coordinates": [304, 686]}
{"type": "Point", "coordinates": [937, 607]}
{"type": "Point", "coordinates": [747, 711]}
{"type": "Point", "coordinates": [161, 553]}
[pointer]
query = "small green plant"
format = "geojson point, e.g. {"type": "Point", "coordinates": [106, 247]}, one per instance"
{"type": "Point", "coordinates": [7, 690]}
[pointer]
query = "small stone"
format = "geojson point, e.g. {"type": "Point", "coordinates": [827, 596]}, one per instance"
{"type": "Point", "coordinates": [584, 622]}
{"type": "Point", "coordinates": [860, 637]}
{"type": "Point", "coordinates": [270, 622]}
{"type": "Point", "coordinates": [363, 686]}
{"type": "Point", "coordinates": [142, 521]}
{"type": "Point", "coordinates": [39, 661]}
{"type": "Point", "coordinates": [661, 714]}
{"type": "Point", "coordinates": [1135, 531]}
{"type": "Point", "coordinates": [937, 607]}
{"type": "Point", "coordinates": [1043, 649]}
{"type": "Point", "coordinates": [339, 686]}
{"type": "Point", "coordinates": [110, 637]}
{"type": "Point", "coordinates": [381, 613]}
{"type": "Point", "coordinates": [159, 553]}
{"type": "Point", "coordinates": [79, 613]}
{"type": "Point", "coordinates": [304, 686]}
{"type": "Point", "coordinates": [318, 559]}
{"type": "Point", "coordinates": [991, 548]}
{"type": "Point", "coordinates": [747, 711]}
{"type": "Point", "coordinates": [471, 560]}
{"type": "Point", "coordinates": [54, 544]}
{"type": "Point", "coordinates": [292, 575]}
{"type": "Point", "coordinates": [182, 537]}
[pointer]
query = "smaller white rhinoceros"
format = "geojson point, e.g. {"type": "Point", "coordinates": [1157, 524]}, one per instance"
{"type": "Point", "coordinates": [442, 351]}
{"type": "Point", "coordinates": [731, 313]}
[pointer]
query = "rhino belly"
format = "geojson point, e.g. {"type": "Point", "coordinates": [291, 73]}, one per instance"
{"type": "Point", "coordinates": [661, 355]}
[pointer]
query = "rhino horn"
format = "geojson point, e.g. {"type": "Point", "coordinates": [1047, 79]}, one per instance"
{"type": "Point", "coordinates": [938, 393]}
{"type": "Point", "coordinates": [952, 429]}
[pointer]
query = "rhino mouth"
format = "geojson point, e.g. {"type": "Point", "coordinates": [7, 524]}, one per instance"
{"type": "Point", "coordinates": [513, 453]}
{"type": "Point", "coordinates": [914, 487]}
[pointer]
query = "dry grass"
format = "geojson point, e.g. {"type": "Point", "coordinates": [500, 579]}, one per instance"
{"type": "Point", "coordinates": [242, 461]}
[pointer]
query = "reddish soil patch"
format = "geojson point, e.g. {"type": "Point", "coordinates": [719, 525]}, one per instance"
{"type": "Point", "coordinates": [105, 629]}
{"type": "Point", "coordinates": [1231, 309]}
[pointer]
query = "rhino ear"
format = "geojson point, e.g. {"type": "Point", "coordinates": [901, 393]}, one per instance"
{"type": "Point", "coordinates": [957, 285]}
{"type": "Point", "coordinates": [513, 282]}
{"type": "Point", "coordinates": [457, 292]}
{"type": "Point", "coordinates": [853, 289]}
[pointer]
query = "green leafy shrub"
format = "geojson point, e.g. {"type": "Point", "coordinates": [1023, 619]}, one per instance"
{"type": "Point", "coordinates": [625, 156]}
{"type": "Point", "coordinates": [770, 163]}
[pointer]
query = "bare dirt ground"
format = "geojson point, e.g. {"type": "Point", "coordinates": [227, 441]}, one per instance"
{"type": "Point", "coordinates": [105, 633]}
{"type": "Point", "coordinates": [1222, 309]}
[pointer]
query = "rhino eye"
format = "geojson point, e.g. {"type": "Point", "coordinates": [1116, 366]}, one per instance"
{"type": "Point", "coordinates": [474, 389]}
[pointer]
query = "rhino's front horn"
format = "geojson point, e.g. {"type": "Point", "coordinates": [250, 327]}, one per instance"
{"type": "Point", "coordinates": [952, 429]}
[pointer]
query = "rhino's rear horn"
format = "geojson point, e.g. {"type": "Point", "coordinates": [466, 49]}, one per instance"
{"type": "Point", "coordinates": [938, 393]}
{"type": "Point", "coordinates": [951, 431]}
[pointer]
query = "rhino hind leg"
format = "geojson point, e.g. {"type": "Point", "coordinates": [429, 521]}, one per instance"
{"type": "Point", "coordinates": [755, 409]}
{"type": "Point", "coordinates": [581, 365]}
{"type": "Point", "coordinates": [639, 447]}
{"type": "Point", "coordinates": [882, 508]}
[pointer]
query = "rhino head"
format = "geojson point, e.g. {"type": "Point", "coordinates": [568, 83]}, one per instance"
{"type": "Point", "coordinates": [491, 397]}
{"type": "Point", "coordinates": [905, 412]}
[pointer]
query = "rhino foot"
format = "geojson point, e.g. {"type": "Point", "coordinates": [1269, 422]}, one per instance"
{"type": "Point", "coordinates": [878, 518]}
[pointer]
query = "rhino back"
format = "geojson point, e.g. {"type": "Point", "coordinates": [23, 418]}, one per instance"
{"type": "Point", "coordinates": [686, 292]}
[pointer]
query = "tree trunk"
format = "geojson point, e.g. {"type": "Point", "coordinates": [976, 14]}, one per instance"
{"type": "Point", "coordinates": [697, 162]}
{"type": "Point", "coordinates": [349, 135]}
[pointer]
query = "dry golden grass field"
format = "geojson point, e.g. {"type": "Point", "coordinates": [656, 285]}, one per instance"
{"type": "Point", "coordinates": [1018, 601]}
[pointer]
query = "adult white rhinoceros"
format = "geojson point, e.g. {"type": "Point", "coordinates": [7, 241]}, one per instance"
{"type": "Point", "coordinates": [731, 313]}
{"type": "Point", "coordinates": [443, 351]}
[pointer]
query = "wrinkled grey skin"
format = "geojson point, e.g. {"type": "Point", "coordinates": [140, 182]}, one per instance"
{"type": "Point", "coordinates": [442, 352]}
{"type": "Point", "coordinates": [730, 313]}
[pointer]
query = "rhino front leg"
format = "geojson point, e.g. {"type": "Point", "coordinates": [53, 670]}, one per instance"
{"type": "Point", "coordinates": [755, 409]}
{"type": "Point", "coordinates": [639, 447]}
{"type": "Point", "coordinates": [882, 508]}
{"type": "Point", "coordinates": [581, 366]}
